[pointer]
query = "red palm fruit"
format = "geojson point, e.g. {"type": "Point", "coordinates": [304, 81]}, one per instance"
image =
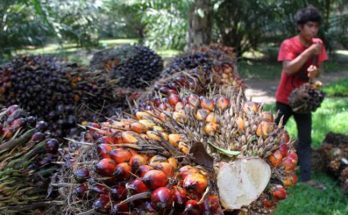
{"type": "Point", "coordinates": [276, 158]}
{"type": "Point", "coordinates": [278, 192]}
{"type": "Point", "coordinates": [288, 164]}
{"type": "Point", "coordinates": [106, 140]}
{"type": "Point", "coordinates": [129, 137]}
{"type": "Point", "coordinates": [99, 188]}
{"type": "Point", "coordinates": [195, 182]}
{"type": "Point", "coordinates": [8, 133]}
{"type": "Point", "coordinates": [118, 192]}
{"type": "Point", "coordinates": [165, 167]}
{"type": "Point", "coordinates": [81, 190]}
{"type": "Point", "coordinates": [289, 180]}
{"type": "Point", "coordinates": [284, 148]}
{"type": "Point", "coordinates": [180, 196]}
{"type": "Point", "coordinates": [156, 101]}
{"type": "Point", "coordinates": [155, 179]}
{"type": "Point", "coordinates": [81, 175]}
{"type": "Point", "coordinates": [104, 150]}
{"type": "Point", "coordinates": [201, 114]}
{"type": "Point", "coordinates": [136, 186]}
{"type": "Point", "coordinates": [52, 146]}
{"type": "Point", "coordinates": [186, 170]}
{"type": "Point", "coordinates": [138, 127]}
{"type": "Point", "coordinates": [267, 116]}
{"type": "Point", "coordinates": [102, 204]}
{"type": "Point", "coordinates": [120, 155]}
{"type": "Point", "coordinates": [143, 169]}
{"type": "Point", "coordinates": [162, 198]}
{"type": "Point", "coordinates": [37, 137]}
{"type": "Point", "coordinates": [212, 205]}
{"type": "Point", "coordinates": [293, 156]}
{"type": "Point", "coordinates": [207, 104]}
{"type": "Point", "coordinates": [173, 99]}
{"type": "Point", "coordinates": [122, 171]}
{"type": "Point", "coordinates": [106, 167]}
{"type": "Point", "coordinates": [222, 103]}
{"type": "Point", "coordinates": [136, 161]}
{"type": "Point", "coordinates": [267, 203]}
{"type": "Point", "coordinates": [193, 208]}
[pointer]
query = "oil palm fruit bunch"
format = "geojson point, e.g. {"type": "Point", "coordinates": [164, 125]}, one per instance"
{"type": "Point", "coordinates": [204, 57]}
{"type": "Point", "coordinates": [213, 153]}
{"type": "Point", "coordinates": [55, 91]}
{"type": "Point", "coordinates": [307, 98]}
{"type": "Point", "coordinates": [27, 156]}
{"type": "Point", "coordinates": [134, 66]}
{"type": "Point", "coordinates": [334, 156]}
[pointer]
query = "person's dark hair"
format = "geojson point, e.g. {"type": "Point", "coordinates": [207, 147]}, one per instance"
{"type": "Point", "coordinates": [307, 14]}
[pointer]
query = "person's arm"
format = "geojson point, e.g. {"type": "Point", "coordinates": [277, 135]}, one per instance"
{"type": "Point", "coordinates": [293, 66]}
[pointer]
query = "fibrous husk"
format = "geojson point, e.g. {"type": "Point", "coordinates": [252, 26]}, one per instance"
{"type": "Point", "coordinates": [242, 181]}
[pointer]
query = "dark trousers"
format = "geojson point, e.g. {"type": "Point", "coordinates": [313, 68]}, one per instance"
{"type": "Point", "coordinates": [304, 129]}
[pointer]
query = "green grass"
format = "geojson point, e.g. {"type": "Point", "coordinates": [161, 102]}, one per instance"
{"type": "Point", "coordinates": [303, 199]}
{"type": "Point", "coordinates": [339, 88]}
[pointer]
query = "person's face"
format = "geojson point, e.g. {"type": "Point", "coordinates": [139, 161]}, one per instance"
{"type": "Point", "coordinates": [309, 30]}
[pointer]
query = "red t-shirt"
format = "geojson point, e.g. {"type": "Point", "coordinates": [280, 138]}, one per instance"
{"type": "Point", "coordinates": [289, 50]}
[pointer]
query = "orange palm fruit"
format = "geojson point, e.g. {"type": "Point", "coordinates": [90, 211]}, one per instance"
{"type": "Point", "coordinates": [222, 103]}
{"type": "Point", "coordinates": [120, 155]}
{"type": "Point", "coordinates": [155, 179]}
{"type": "Point", "coordinates": [207, 104]}
{"type": "Point", "coordinates": [138, 127]}
{"type": "Point", "coordinates": [129, 137]}
{"type": "Point", "coordinates": [195, 182]}
{"type": "Point", "coordinates": [174, 139]}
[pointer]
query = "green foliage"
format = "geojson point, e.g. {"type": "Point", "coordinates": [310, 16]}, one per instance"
{"type": "Point", "coordinates": [19, 26]}
{"type": "Point", "coordinates": [339, 88]}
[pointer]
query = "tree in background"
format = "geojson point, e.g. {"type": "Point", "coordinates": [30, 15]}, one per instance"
{"type": "Point", "coordinates": [200, 23]}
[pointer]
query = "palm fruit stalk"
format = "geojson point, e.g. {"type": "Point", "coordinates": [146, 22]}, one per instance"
{"type": "Point", "coordinates": [27, 156]}
{"type": "Point", "coordinates": [214, 153]}
{"type": "Point", "coordinates": [334, 157]}
{"type": "Point", "coordinates": [307, 98]}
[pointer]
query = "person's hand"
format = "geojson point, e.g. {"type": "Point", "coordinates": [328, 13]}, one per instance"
{"type": "Point", "coordinates": [313, 71]}
{"type": "Point", "coordinates": [315, 48]}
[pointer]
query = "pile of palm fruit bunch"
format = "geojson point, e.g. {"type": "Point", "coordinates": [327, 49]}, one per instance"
{"type": "Point", "coordinates": [306, 98]}
{"type": "Point", "coordinates": [27, 156]}
{"type": "Point", "coordinates": [334, 157]}
{"type": "Point", "coordinates": [186, 151]}
{"type": "Point", "coordinates": [53, 90]}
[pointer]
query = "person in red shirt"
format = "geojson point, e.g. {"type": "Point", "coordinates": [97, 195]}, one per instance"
{"type": "Point", "coordinates": [302, 57]}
